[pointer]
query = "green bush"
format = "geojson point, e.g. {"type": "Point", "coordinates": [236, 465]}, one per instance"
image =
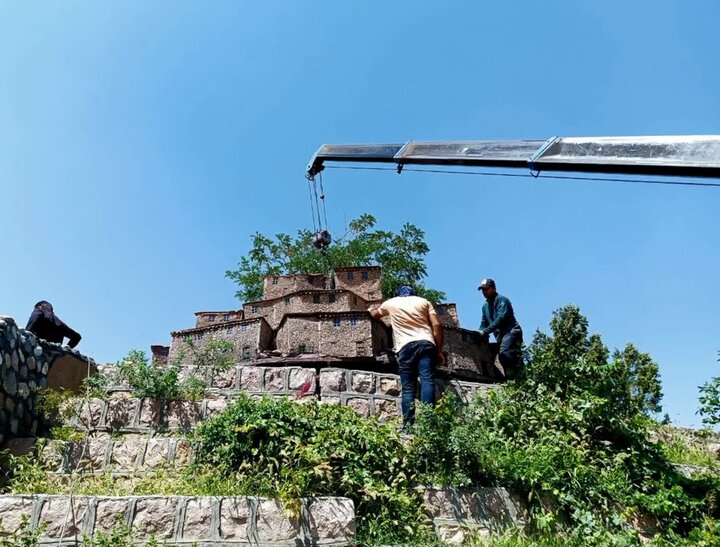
{"type": "Point", "coordinates": [147, 380]}
{"type": "Point", "coordinates": [572, 435]}
{"type": "Point", "coordinates": [295, 450]}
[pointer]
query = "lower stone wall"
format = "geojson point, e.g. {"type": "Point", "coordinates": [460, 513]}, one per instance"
{"type": "Point", "coordinates": [25, 363]}
{"type": "Point", "coordinates": [467, 515]}
{"type": "Point", "coordinates": [183, 520]}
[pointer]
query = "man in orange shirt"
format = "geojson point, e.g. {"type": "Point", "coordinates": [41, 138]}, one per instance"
{"type": "Point", "coordinates": [418, 339]}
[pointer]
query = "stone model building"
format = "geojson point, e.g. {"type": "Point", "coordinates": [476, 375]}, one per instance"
{"type": "Point", "coordinates": [324, 319]}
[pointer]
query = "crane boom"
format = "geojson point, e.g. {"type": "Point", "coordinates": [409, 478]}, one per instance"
{"type": "Point", "coordinates": [681, 155]}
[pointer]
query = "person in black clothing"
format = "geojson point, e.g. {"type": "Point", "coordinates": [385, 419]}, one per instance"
{"type": "Point", "coordinates": [44, 324]}
{"type": "Point", "coordinates": [498, 318]}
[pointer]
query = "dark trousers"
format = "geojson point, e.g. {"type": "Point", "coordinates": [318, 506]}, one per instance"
{"type": "Point", "coordinates": [510, 352]}
{"type": "Point", "coordinates": [417, 360]}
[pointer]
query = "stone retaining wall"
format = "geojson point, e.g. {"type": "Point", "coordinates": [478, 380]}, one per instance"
{"type": "Point", "coordinates": [25, 362]}
{"type": "Point", "coordinates": [462, 515]}
{"type": "Point", "coordinates": [183, 520]}
{"type": "Point", "coordinates": [368, 393]}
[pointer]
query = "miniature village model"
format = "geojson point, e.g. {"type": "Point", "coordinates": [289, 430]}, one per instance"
{"type": "Point", "coordinates": [318, 320]}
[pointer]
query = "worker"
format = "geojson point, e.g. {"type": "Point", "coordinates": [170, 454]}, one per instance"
{"type": "Point", "coordinates": [498, 318]}
{"type": "Point", "coordinates": [44, 324]}
{"type": "Point", "coordinates": [418, 342]}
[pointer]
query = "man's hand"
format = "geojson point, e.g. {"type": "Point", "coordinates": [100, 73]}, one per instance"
{"type": "Point", "coordinates": [441, 358]}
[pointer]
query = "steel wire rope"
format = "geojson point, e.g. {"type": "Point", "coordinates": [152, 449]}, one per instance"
{"type": "Point", "coordinates": [539, 176]}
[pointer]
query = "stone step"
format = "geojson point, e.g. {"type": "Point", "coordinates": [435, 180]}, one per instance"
{"type": "Point", "coordinates": [183, 520]}
{"type": "Point", "coordinates": [119, 455]}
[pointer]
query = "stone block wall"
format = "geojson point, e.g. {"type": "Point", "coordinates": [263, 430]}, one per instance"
{"type": "Point", "coordinates": [319, 301]}
{"type": "Point", "coordinates": [448, 314]}
{"type": "Point", "coordinates": [361, 280]}
{"type": "Point", "coordinates": [205, 318]}
{"type": "Point", "coordinates": [471, 514]}
{"type": "Point", "coordinates": [280, 285]}
{"type": "Point", "coordinates": [249, 337]}
{"type": "Point", "coordinates": [468, 357]}
{"type": "Point", "coordinates": [25, 364]}
{"type": "Point", "coordinates": [185, 520]}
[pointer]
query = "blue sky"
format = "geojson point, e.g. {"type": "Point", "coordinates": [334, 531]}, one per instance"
{"type": "Point", "coordinates": [142, 143]}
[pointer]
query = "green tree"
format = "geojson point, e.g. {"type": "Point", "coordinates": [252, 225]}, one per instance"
{"type": "Point", "coordinates": [710, 401]}
{"type": "Point", "coordinates": [629, 381]}
{"type": "Point", "coordinates": [401, 256]}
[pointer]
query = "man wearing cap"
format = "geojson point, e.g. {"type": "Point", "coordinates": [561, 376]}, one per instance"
{"type": "Point", "coordinates": [418, 338]}
{"type": "Point", "coordinates": [498, 318]}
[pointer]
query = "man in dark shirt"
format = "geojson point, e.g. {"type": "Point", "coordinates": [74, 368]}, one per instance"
{"type": "Point", "coordinates": [44, 324]}
{"type": "Point", "coordinates": [498, 318]}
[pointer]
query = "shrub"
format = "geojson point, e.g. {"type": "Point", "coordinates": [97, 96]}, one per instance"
{"type": "Point", "coordinates": [311, 449]}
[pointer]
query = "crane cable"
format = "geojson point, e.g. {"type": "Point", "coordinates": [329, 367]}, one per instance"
{"type": "Point", "coordinates": [533, 175]}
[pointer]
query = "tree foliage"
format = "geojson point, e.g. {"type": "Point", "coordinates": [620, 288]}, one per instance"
{"type": "Point", "coordinates": [710, 401]}
{"type": "Point", "coordinates": [401, 256]}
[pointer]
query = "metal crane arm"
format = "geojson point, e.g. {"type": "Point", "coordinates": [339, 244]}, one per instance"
{"type": "Point", "coordinates": [682, 155]}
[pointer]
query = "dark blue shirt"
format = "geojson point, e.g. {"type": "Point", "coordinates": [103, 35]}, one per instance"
{"type": "Point", "coordinates": [498, 316]}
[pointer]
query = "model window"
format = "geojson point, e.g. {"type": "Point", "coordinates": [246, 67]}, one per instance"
{"type": "Point", "coordinates": [360, 348]}
{"type": "Point", "coordinates": [441, 311]}
{"type": "Point", "coordinates": [211, 318]}
{"type": "Point", "coordinates": [365, 275]}
{"type": "Point", "coordinates": [246, 353]}
{"type": "Point", "coordinates": [331, 298]}
{"type": "Point", "coordinates": [302, 348]}
{"type": "Point", "coordinates": [229, 330]}
{"type": "Point", "coordinates": [353, 321]}
{"type": "Point", "coordinates": [351, 276]}
{"type": "Point", "coordinates": [200, 335]}
{"type": "Point", "coordinates": [253, 309]}
{"type": "Point", "coordinates": [316, 298]}
{"type": "Point", "coordinates": [226, 317]}
{"type": "Point", "coordinates": [243, 328]}
{"type": "Point", "coordinates": [336, 321]}
{"type": "Point", "coordinates": [287, 300]}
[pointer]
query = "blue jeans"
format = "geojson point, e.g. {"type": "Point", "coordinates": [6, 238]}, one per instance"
{"type": "Point", "coordinates": [417, 359]}
{"type": "Point", "coordinates": [510, 352]}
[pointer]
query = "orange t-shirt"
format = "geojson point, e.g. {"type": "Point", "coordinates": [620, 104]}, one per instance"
{"type": "Point", "coordinates": [410, 319]}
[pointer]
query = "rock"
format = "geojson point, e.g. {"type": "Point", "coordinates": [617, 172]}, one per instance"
{"type": "Point", "coordinates": [251, 378]}
{"type": "Point", "coordinates": [332, 380]}
{"type": "Point", "coordinates": [10, 383]}
{"type": "Point", "coordinates": [183, 414]}
{"type": "Point", "coordinates": [109, 513]}
{"type": "Point", "coordinates": [198, 518]}
{"type": "Point", "coordinates": [299, 378]}
{"type": "Point", "coordinates": [363, 382]}
{"type": "Point", "coordinates": [150, 412]}
{"type": "Point", "coordinates": [62, 519]}
{"type": "Point", "coordinates": [274, 379]}
{"type": "Point", "coordinates": [234, 517]}
{"type": "Point", "coordinates": [121, 413]}
{"type": "Point", "coordinates": [12, 508]}
{"type": "Point", "coordinates": [390, 386]}
{"type": "Point", "coordinates": [331, 518]}
{"type": "Point", "coordinates": [359, 405]}
{"type": "Point", "coordinates": [23, 390]}
{"type": "Point", "coordinates": [31, 363]}
{"type": "Point", "coordinates": [272, 525]}
{"type": "Point", "coordinates": [157, 453]}
{"type": "Point", "coordinates": [154, 517]}
{"type": "Point", "coordinates": [38, 351]}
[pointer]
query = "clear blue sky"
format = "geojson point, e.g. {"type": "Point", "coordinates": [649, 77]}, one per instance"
{"type": "Point", "coordinates": [142, 143]}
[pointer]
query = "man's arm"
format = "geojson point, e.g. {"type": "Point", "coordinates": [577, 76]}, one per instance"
{"type": "Point", "coordinates": [500, 314]}
{"type": "Point", "coordinates": [34, 316]}
{"type": "Point", "coordinates": [73, 337]}
{"type": "Point", "coordinates": [437, 331]}
{"type": "Point", "coordinates": [376, 312]}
